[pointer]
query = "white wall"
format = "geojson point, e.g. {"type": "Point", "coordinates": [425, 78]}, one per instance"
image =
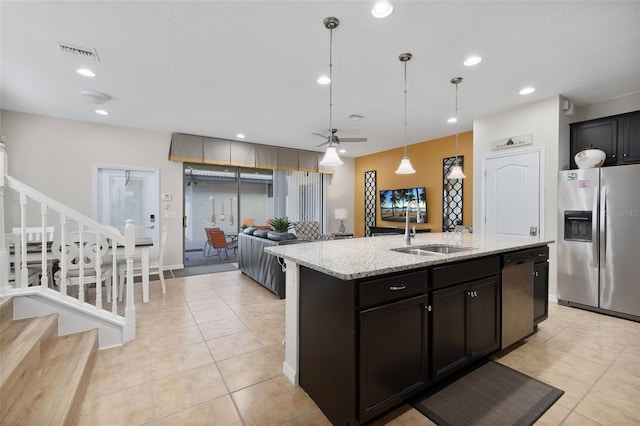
{"type": "Point", "coordinates": [619, 105]}
{"type": "Point", "coordinates": [542, 120]}
{"type": "Point", "coordinates": [56, 157]}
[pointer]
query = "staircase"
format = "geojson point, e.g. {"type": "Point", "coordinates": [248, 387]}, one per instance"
{"type": "Point", "coordinates": [43, 376]}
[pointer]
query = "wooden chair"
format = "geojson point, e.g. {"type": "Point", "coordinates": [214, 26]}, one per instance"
{"type": "Point", "coordinates": [247, 222]}
{"type": "Point", "coordinates": [221, 242]}
{"type": "Point", "coordinates": [88, 262]}
{"type": "Point", "coordinates": [156, 265]}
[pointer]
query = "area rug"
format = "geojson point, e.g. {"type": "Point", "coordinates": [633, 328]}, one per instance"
{"type": "Point", "coordinates": [491, 395]}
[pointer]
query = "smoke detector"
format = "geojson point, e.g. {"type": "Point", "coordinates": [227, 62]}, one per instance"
{"type": "Point", "coordinates": [94, 97]}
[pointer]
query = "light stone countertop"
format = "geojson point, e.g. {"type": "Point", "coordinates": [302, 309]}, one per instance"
{"type": "Point", "coordinates": [353, 258]}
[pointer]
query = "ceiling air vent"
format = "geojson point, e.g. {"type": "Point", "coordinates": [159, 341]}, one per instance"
{"type": "Point", "coordinates": [85, 52]}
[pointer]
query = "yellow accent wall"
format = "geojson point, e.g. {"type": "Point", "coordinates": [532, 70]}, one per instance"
{"type": "Point", "coordinates": [426, 158]}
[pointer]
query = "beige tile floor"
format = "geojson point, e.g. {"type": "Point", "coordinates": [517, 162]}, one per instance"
{"type": "Point", "coordinates": [209, 352]}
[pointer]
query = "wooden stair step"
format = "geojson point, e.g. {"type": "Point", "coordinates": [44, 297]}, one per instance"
{"type": "Point", "coordinates": [23, 345]}
{"type": "Point", "coordinates": [58, 385]}
{"type": "Point", "coordinates": [6, 312]}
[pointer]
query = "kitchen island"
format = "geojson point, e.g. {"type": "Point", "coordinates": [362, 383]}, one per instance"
{"type": "Point", "coordinates": [368, 326]}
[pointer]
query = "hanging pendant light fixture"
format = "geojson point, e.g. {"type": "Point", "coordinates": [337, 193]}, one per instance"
{"type": "Point", "coordinates": [405, 167]}
{"type": "Point", "coordinates": [331, 156]}
{"type": "Point", "coordinates": [456, 170]}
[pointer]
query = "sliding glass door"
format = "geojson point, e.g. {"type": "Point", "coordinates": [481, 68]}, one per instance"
{"type": "Point", "coordinates": [231, 197]}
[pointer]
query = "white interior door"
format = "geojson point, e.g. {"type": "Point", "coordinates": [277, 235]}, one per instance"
{"type": "Point", "coordinates": [122, 194]}
{"type": "Point", "coordinates": [512, 200]}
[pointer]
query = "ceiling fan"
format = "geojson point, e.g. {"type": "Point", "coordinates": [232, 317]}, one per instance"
{"type": "Point", "coordinates": [333, 138]}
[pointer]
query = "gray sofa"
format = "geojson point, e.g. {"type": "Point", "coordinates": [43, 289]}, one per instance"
{"type": "Point", "coordinates": [260, 266]}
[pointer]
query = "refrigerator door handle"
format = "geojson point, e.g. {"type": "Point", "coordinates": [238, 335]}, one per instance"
{"type": "Point", "coordinates": [603, 227]}
{"type": "Point", "coordinates": [594, 229]}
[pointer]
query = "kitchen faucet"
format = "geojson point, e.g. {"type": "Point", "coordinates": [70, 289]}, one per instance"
{"type": "Point", "coordinates": [407, 234]}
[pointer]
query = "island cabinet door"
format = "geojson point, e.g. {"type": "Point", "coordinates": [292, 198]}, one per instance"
{"type": "Point", "coordinates": [449, 329]}
{"type": "Point", "coordinates": [393, 354]}
{"type": "Point", "coordinates": [483, 316]}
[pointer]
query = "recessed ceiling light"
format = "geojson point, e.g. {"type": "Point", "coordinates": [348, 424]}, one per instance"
{"type": "Point", "coordinates": [86, 72]}
{"type": "Point", "coordinates": [323, 80]}
{"type": "Point", "coordinates": [527, 91]}
{"type": "Point", "coordinates": [452, 120]}
{"type": "Point", "coordinates": [240, 135]}
{"type": "Point", "coordinates": [342, 151]}
{"type": "Point", "coordinates": [382, 9]}
{"type": "Point", "coordinates": [102, 112]}
{"type": "Point", "coordinates": [472, 60]}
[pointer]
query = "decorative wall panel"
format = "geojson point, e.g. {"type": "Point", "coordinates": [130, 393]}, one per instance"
{"type": "Point", "coordinates": [370, 204]}
{"type": "Point", "coordinates": [452, 195]}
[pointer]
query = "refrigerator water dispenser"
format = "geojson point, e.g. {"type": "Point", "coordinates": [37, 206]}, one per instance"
{"type": "Point", "coordinates": [577, 225]}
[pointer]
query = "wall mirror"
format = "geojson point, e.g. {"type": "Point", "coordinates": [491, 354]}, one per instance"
{"type": "Point", "coordinates": [452, 195]}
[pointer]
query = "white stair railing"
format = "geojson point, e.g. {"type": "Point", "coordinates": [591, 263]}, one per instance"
{"type": "Point", "coordinates": [83, 250]}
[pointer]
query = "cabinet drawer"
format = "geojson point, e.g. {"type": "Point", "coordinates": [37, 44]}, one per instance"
{"type": "Point", "coordinates": [540, 254]}
{"type": "Point", "coordinates": [444, 276]}
{"type": "Point", "coordinates": [396, 287]}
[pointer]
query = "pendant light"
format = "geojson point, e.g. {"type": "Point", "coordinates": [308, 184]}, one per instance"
{"type": "Point", "coordinates": [456, 170]}
{"type": "Point", "coordinates": [405, 167]}
{"type": "Point", "coordinates": [331, 156]}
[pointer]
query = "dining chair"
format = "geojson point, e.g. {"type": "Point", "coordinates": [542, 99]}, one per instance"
{"type": "Point", "coordinates": [221, 242]}
{"type": "Point", "coordinates": [156, 265]}
{"type": "Point", "coordinates": [92, 249]}
{"type": "Point", "coordinates": [207, 244]}
{"type": "Point", "coordinates": [33, 236]}
{"type": "Point", "coordinates": [247, 222]}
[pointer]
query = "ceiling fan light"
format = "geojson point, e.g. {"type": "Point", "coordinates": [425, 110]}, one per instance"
{"type": "Point", "coordinates": [331, 158]}
{"type": "Point", "coordinates": [456, 173]}
{"type": "Point", "coordinates": [405, 167]}
{"type": "Point", "coordinates": [382, 9]}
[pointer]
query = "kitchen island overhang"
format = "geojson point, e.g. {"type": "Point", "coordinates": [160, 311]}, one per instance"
{"type": "Point", "coordinates": [357, 258]}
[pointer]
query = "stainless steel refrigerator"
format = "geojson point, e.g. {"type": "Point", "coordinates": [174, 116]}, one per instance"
{"type": "Point", "coordinates": [599, 240]}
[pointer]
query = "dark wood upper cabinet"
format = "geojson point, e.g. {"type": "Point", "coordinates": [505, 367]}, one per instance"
{"type": "Point", "coordinates": [618, 136]}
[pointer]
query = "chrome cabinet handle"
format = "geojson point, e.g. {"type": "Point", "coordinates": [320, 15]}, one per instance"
{"type": "Point", "coordinates": [400, 287]}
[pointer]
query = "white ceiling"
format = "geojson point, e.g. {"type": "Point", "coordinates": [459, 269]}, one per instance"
{"type": "Point", "coordinates": [218, 68]}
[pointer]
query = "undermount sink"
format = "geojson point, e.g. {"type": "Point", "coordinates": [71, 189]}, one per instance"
{"type": "Point", "coordinates": [432, 249]}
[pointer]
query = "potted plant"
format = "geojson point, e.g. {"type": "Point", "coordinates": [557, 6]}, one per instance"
{"type": "Point", "coordinates": [280, 224]}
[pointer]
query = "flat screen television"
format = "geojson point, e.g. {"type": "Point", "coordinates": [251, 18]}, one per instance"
{"type": "Point", "coordinates": [393, 204]}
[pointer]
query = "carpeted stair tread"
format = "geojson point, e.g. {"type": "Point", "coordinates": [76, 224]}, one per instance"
{"type": "Point", "coordinates": [58, 384]}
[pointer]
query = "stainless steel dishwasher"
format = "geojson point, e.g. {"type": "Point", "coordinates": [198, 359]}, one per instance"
{"type": "Point", "coordinates": [517, 296]}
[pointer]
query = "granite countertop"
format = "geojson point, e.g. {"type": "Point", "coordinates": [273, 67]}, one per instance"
{"type": "Point", "coordinates": [354, 258]}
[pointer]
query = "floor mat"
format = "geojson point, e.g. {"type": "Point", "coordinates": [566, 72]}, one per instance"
{"type": "Point", "coordinates": [491, 394]}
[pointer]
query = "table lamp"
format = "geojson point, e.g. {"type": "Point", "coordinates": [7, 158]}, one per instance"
{"type": "Point", "coordinates": [341, 215]}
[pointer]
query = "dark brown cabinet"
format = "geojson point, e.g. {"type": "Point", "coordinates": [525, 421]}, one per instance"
{"type": "Point", "coordinates": [465, 316]}
{"type": "Point", "coordinates": [540, 285]}
{"type": "Point", "coordinates": [631, 138]}
{"type": "Point", "coordinates": [618, 136]}
{"type": "Point", "coordinates": [465, 324]}
{"type": "Point", "coordinates": [393, 353]}
{"type": "Point", "coordinates": [363, 344]}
